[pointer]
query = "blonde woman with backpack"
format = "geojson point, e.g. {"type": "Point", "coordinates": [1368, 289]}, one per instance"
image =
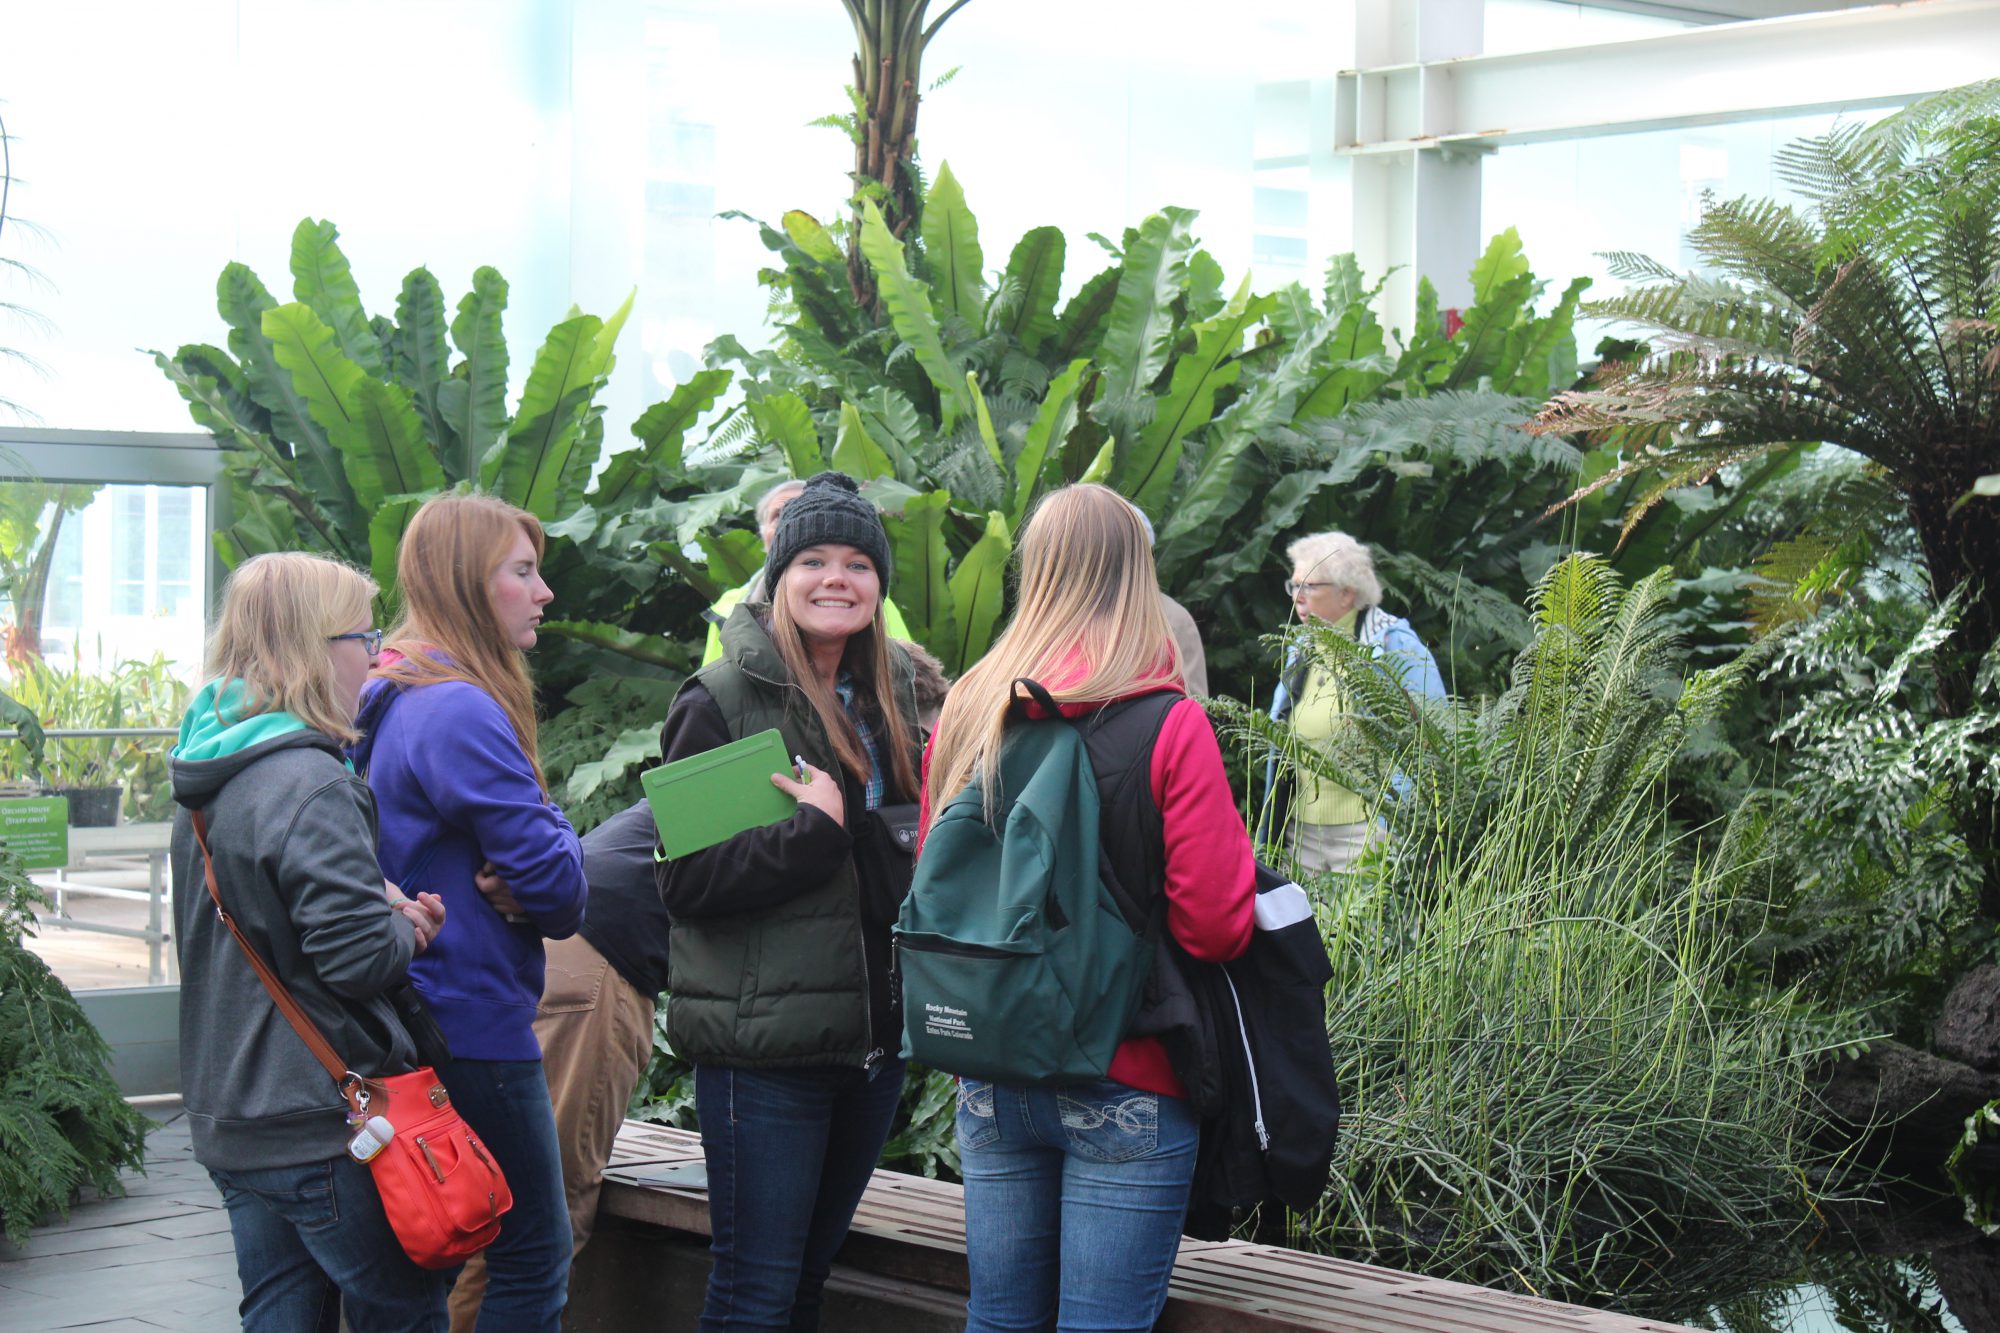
{"type": "Point", "coordinates": [1074, 1195]}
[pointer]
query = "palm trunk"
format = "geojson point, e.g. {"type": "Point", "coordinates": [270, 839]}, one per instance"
{"type": "Point", "coordinates": [888, 70]}
{"type": "Point", "coordinates": [24, 645]}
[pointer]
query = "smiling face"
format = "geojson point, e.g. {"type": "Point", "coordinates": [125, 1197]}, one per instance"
{"type": "Point", "coordinates": [831, 592]}
{"type": "Point", "coordinates": [351, 661]}
{"type": "Point", "coordinates": [518, 593]}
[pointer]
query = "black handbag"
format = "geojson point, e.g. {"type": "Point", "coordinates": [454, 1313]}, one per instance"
{"type": "Point", "coordinates": [885, 859]}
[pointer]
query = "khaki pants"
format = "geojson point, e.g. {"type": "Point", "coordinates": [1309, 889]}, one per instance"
{"type": "Point", "coordinates": [1332, 847]}
{"type": "Point", "coordinates": [596, 1033]}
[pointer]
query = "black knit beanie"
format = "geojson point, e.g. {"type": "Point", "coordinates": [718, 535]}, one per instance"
{"type": "Point", "coordinates": [829, 511]}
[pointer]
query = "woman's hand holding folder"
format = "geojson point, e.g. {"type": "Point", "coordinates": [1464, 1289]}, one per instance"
{"type": "Point", "coordinates": [820, 789]}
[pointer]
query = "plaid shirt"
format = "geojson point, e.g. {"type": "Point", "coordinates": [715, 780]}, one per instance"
{"type": "Point", "coordinates": [843, 685]}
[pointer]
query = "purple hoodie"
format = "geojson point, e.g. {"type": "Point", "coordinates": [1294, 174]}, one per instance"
{"type": "Point", "coordinates": [453, 791]}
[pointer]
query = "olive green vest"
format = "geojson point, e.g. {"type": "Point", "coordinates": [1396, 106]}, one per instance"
{"type": "Point", "coordinates": [785, 987]}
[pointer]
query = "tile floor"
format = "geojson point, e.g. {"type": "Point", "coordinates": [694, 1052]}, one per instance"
{"type": "Point", "coordinates": [158, 1258]}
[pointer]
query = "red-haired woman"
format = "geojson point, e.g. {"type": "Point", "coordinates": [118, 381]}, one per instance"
{"type": "Point", "coordinates": [466, 814]}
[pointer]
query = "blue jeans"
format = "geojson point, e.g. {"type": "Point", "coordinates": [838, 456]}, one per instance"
{"type": "Point", "coordinates": [527, 1269]}
{"type": "Point", "coordinates": [1074, 1199]}
{"type": "Point", "coordinates": [310, 1237]}
{"type": "Point", "coordinates": [789, 1153]}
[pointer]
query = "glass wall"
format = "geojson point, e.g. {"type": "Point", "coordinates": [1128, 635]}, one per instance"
{"type": "Point", "coordinates": [585, 149]}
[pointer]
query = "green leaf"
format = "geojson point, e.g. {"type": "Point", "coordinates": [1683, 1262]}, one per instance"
{"type": "Point", "coordinates": [1140, 332]}
{"type": "Point", "coordinates": [855, 451]}
{"type": "Point", "coordinates": [1502, 287]}
{"type": "Point", "coordinates": [221, 413]}
{"type": "Point", "coordinates": [606, 343]}
{"type": "Point", "coordinates": [1099, 470]}
{"type": "Point", "coordinates": [1034, 275]}
{"type": "Point", "coordinates": [632, 475]}
{"type": "Point", "coordinates": [978, 591]}
{"type": "Point", "coordinates": [386, 526]}
{"type": "Point", "coordinates": [733, 556]}
{"type": "Point", "coordinates": [638, 745]}
{"type": "Point", "coordinates": [1226, 480]}
{"type": "Point", "coordinates": [1054, 420]}
{"type": "Point", "coordinates": [550, 451]}
{"type": "Point", "coordinates": [1546, 363]}
{"type": "Point", "coordinates": [395, 458]}
{"type": "Point", "coordinates": [1204, 286]}
{"type": "Point", "coordinates": [15, 714]}
{"type": "Point", "coordinates": [1343, 282]}
{"type": "Point", "coordinates": [423, 357]}
{"type": "Point", "coordinates": [1359, 366]}
{"type": "Point", "coordinates": [322, 280]}
{"type": "Point", "coordinates": [1143, 469]}
{"type": "Point", "coordinates": [474, 401]}
{"type": "Point", "coordinates": [243, 302]}
{"type": "Point", "coordinates": [807, 233]}
{"type": "Point", "coordinates": [987, 435]}
{"type": "Point", "coordinates": [910, 313]}
{"type": "Point", "coordinates": [327, 382]}
{"type": "Point", "coordinates": [951, 244]}
{"type": "Point", "coordinates": [922, 591]}
{"type": "Point", "coordinates": [1081, 327]}
{"type": "Point", "coordinates": [653, 648]}
{"type": "Point", "coordinates": [784, 419]}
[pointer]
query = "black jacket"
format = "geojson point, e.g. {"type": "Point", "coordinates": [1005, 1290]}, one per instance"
{"type": "Point", "coordinates": [1248, 1040]}
{"type": "Point", "coordinates": [779, 953]}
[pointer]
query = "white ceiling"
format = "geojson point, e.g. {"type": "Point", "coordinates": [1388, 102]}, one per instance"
{"type": "Point", "coordinates": [1725, 11]}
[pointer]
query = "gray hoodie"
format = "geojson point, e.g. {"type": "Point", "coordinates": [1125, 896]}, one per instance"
{"type": "Point", "coordinates": [293, 833]}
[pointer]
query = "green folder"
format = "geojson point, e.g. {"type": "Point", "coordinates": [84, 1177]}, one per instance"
{"type": "Point", "coordinates": [713, 796]}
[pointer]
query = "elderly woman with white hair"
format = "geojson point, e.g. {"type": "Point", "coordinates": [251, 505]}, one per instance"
{"type": "Point", "coordinates": [1323, 824]}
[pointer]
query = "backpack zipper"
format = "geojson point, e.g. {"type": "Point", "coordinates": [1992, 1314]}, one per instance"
{"type": "Point", "coordinates": [964, 950]}
{"type": "Point", "coordinates": [1250, 1063]}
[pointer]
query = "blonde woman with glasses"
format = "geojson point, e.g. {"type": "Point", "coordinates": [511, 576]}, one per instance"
{"type": "Point", "coordinates": [1325, 826]}
{"type": "Point", "coordinates": [292, 831]}
{"type": "Point", "coordinates": [1074, 1196]}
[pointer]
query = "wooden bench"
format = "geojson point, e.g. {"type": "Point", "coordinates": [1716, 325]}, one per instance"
{"type": "Point", "coordinates": [903, 1267]}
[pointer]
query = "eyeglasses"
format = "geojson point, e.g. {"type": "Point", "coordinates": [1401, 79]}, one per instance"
{"type": "Point", "coordinates": [371, 639]}
{"type": "Point", "coordinates": [1293, 587]}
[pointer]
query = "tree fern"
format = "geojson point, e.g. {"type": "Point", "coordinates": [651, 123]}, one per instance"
{"type": "Point", "coordinates": [63, 1124]}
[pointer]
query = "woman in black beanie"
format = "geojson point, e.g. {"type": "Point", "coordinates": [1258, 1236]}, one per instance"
{"type": "Point", "coordinates": [779, 951]}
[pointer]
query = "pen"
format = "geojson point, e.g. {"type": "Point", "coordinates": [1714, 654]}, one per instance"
{"type": "Point", "coordinates": [800, 761]}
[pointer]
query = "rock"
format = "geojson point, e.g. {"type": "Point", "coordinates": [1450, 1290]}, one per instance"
{"type": "Point", "coordinates": [1909, 1104]}
{"type": "Point", "coordinates": [1969, 1280]}
{"type": "Point", "coordinates": [1968, 1030]}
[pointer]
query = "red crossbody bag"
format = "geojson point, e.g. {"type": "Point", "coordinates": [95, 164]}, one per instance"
{"type": "Point", "coordinates": [441, 1189]}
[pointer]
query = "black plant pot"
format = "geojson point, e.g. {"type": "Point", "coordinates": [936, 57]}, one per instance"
{"type": "Point", "coordinates": [92, 807]}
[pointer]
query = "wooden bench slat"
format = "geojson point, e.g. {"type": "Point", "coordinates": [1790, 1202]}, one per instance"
{"type": "Point", "coordinates": [910, 1229]}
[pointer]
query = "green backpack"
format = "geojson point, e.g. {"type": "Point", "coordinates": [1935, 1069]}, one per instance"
{"type": "Point", "coordinates": [1021, 959]}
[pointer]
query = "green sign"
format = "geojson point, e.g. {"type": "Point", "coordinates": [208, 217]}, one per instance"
{"type": "Point", "coordinates": [36, 828]}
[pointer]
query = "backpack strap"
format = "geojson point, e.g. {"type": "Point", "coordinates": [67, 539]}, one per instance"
{"type": "Point", "coordinates": [1120, 738]}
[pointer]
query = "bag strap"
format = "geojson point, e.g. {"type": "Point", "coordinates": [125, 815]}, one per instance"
{"type": "Point", "coordinates": [349, 1082]}
{"type": "Point", "coordinates": [1038, 693]}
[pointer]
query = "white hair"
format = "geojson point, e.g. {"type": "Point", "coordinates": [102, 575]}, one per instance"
{"type": "Point", "coordinates": [790, 486]}
{"type": "Point", "coordinates": [1340, 560]}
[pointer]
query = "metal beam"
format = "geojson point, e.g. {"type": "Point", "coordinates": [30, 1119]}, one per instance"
{"type": "Point", "coordinates": [1881, 55]}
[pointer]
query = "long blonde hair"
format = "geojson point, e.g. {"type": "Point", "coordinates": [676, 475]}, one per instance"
{"type": "Point", "coordinates": [278, 611]}
{"type": "Point", "coordinates": [1087, 624]}
{"type": "Point", "coordinates": [866, 657]}
{"type": "Point", "coordinates": [448, 629]}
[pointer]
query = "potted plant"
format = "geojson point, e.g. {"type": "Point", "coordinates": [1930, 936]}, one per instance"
{"type": "Point", "coordinates": [98, 774]}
